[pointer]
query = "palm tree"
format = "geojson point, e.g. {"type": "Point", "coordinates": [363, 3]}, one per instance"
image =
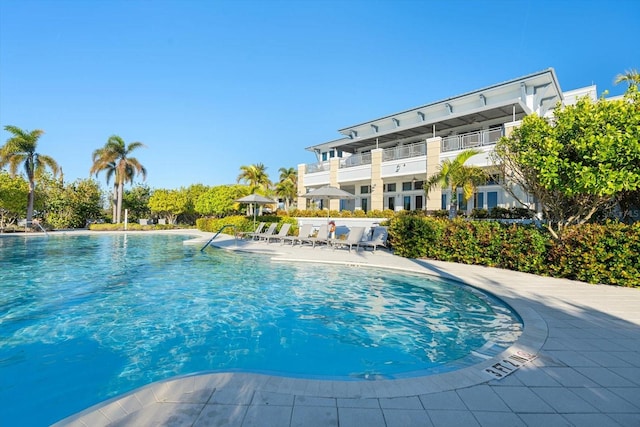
{"type": "Point", "coordinates": [114, 158]}
{"type": "Point", "coordinates": [630, 76]}
{"type": "Point", "coordinates": [287, 187]}
{"type": "Point", "coordinates": [21, 149]}
{"type": "Point", "coordinates": [453, 174]}
{"type": "Point", "coordinates": [255, 176]}
{"type": "Point", "coordinates": [111, 170]}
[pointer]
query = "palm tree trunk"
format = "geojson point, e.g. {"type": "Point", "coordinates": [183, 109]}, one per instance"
{"type": "Point", "coordinates": [114, 201]}
{"type": "Point", "coordinates": [453, 208]}
{"type": "Point", "coordinates": [30, 202]}
{"type": "Point", "coordinates": [119, 204]}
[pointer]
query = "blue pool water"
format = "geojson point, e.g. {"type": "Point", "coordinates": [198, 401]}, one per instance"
{"type": "Point", "coordinates": [85, 318]}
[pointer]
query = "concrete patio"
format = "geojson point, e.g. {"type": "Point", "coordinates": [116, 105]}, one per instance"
{"type": "Point", "coordinates": [577, 363]}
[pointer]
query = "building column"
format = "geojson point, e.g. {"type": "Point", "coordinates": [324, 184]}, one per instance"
{"type": "Point", "coordinates": [334, 166]}
{"type": "Point", "coordinates": [302, 201]}
{"type": "Point", "coordinates": [377, 188]}
{"type": "Point", "coordinates": [434, 200]}
{"type": "Point", "coordinates": [509, 127]}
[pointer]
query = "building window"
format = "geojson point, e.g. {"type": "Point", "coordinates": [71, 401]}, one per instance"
{"type": "Point", "coordinates": [407, 203]}
{"type": "Point", "coordinates": [364, 189]}
{"type": "Point", "coordinates": [418, 185]}
{"type": "Point", "coordinates": [392, 203]}
{"type": "Point", "coordinates": [324, 156]}
{"type": "Point", "coordinates": [443, 202]}
{"type": "Point", "coordinates": [332, 153]}
{"type": "Point", "coordinates": [391, 187]}
{"type": "Point", "coordinates": [364, 204]}
{"type": "Point", "coordinates": [407, 186]}
{"type": "Point", "coordinates": [479, 200]}
{"type": "Point", "coordinates": [492, 199]}
{"type": "Point", "coordinates": [339, 153]}
{"type": "Point", "coordinates": [418, 203]}
{"type": "Point", "coordinates": [493, 179]}
{"type": "Point", "coordinates": [462, 204]}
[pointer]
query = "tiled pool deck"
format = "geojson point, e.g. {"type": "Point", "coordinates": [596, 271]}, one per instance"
{"type": "Point", "coordinates": [586, 372]}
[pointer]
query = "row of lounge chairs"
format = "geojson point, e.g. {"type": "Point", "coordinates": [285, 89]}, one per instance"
{"type": "Point", "coordinates": [305, 236]}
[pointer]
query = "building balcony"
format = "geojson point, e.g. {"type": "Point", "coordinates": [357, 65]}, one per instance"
{"type": "Point", "coordinates": [470, 140]}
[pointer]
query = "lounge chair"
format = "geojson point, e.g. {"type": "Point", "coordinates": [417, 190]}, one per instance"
{"type": "Point", "coordinates": [269, 232]}
{"type": "Point", "coordinates": [379, 238]}
{"type": "Point", "coordinates": [303, 233]}
{"type": "Point", "coordinates": [353, 239]}
{"type": "Point", "coordinates": [321, 237]}
{"type": "Point", "coordinates": [251, 234]}
{"type": "Point", "coordinates": [284, 230]}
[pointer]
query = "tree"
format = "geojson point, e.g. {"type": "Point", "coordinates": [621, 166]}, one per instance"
{"type": "Point", "coordinates": [193, 192]}
{"type": "Point", "coordinates": [136, 200]}
{"type": "Point", "coordinates": [73, 205]}
{"type": "Point", "coordinates": [287, 187]}
{"type": "Point", "coordinates": [453, 174]}
{"type": "Point", "coordinates": [14, 192]}
{"type": "Point", "coordinates": [169, 203]}
{"type": "Point", "coordinates": [255, 176]}
{"type": "Point", "coordinates": [630, 76]}
{"type": "Point", "coordinates": [220, 200]}
{"type": "Point", "coordinates": [20, 149]}
{"type": "Point", "coordinates": [629, 201]}
{"type": "Point", "coordinates": [580, 162]}
{"type": "Point", "coordinates": [114, 158]}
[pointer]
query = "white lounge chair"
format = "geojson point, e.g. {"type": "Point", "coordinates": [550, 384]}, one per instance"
{"type": "Point", "coordinates": [379, 238]}
{"type": "Point", "coordinates": [354, 238]}
{"type": "Point", "coordinates": [321, 237]}
{"type": "Point", "coordinates": [303, 233]}
{"type": "Point", "coordinates": [269, 232]}
{"type": "Point", "coordinates": [251, 234]}
{"type": "Point", "coordinates": [284, 230]}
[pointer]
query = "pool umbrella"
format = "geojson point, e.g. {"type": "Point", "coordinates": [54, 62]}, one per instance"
{"type": "Point", "coordinates": [329, 193]}
{"type": "Point", "coordinates": [255, 199]}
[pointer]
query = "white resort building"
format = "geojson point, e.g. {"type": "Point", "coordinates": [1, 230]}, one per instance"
{"type": "Point", "coordinates": [386, 161]}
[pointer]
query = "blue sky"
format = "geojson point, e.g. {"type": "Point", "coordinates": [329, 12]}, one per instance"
{"type": "Point", "coordinates": [210, 86]}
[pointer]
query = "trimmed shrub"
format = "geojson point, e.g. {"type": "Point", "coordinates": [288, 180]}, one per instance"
{"type": "Point", "coordinates": [242, 223]}
{"type": "Point", "coordinates": [213, 225]}
{"type": "Point", "coordinates": [411, 235]}
{"type": "Point", "coordinates": [524, 248]}
{"type": "Point", "coordinates": [598, 253]}
{"type": "Point", "coordinates": [594, 253]}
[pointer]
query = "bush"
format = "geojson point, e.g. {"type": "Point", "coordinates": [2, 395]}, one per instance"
{"type": "Point", "coordinates": [411, 236]}
{"type": "Point", "coordinates": [242, 223]}
{"type": "Point", "coordinates": [132, 226]}
{"type": "Point", "coordinates": [213, 225]}
{"type": "Point", "coordinates": [308, 213]}
{"type": "Point", "coordinates": [525, 248]}
{"type": "Point", "coordinates": [598, 253]}
{"type": "Point", "coordinates": [594, 253]}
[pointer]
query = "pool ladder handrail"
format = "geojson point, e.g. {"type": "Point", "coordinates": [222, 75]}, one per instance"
{"type": "Point", "coordinates": [235, 233]}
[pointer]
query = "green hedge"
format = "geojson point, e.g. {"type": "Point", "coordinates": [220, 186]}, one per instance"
{"type": "Point", "coordinates": [594, 253]}
{"type": "Point", "coordinates": [243, 223]}
{"type": "Point", "coordinates": [311, 213]}
{"type": "Point", "coordinates": [132, 226]}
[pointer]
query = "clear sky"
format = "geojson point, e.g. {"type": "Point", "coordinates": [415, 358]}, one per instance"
{"type": "Point", "coordinates": [210, 86]}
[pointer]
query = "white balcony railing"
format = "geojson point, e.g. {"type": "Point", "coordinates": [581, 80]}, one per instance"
{"type": "Point", "coordinates": [317, 167]}
{"type": "Point", "coordinates": [470, 140]}
{"type": "Point", "coordinates": [404, 151]}
{"type": "Point", "coordinates": [356, 160]}
{"type": "Point", "coordinates": [450, 143]}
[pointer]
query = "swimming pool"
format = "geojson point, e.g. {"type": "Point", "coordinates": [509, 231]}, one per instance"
{"type": "Point", "coordinates": [84, 318]}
